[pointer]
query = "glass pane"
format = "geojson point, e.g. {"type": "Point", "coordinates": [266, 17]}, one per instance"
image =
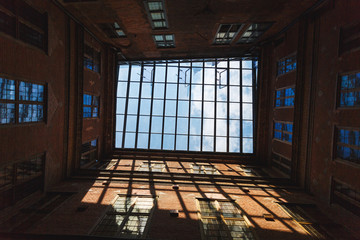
{"type": "Point", "coordinates": [143, 139]}
{"type": "Point", "coordinates": [196, 108]}
{"type": "Point", "coordinates": [196, 92]}
{"type": "Point", "coordinates": [182, 125]}
{"type": "Point", "coordinates": [209, 109]}
{"type": "Point", "coordinates": [234, 128]}
{"type": "Point", "coordinates": [235, 94]}
{"type": "Point", "coordinates": [221, 94]}
{"type": "Point", "coordinates": [247, 129]}
{"type": "Point", "coordinates": [247, 94]}
{"type": "Point", "coordinates": [134, 89]}
{"type": "Point", "coordinates": [234, 145]}
{"type": "Point", "coordinates": [120, 105]}
{"type": "Point", "coordinates": [221, 110]}
{"type": "Point", "coordinates": [135, 73]}
{"type": "Point", "coordinates": [169, 125]}
{"type": "Point", "coordinates": [172, 74]}
{"type": "Point", "coordinates": [209, 92]}
{"type": "Point", "coordinates": [247, 77]}
{"type": "Point", "coordinates": [208, 128]}
{"type": "Point", "coordinates": [119, 122]}
{"type": "Point", "coordinates": [194, 144]}
{"type": "Point", "coordinates": [220, 144]}
{"type": "Point", "coordinates": [158, 107]}
{"type": "Point", "coordinates": [197, 76]}
{"type": "Point", "coordinates": [208, 143]}
{"type": "Point", "coordinates": [234, 110]}
{"type": "Point", "coordinates": [131, 123]}
{"type": "Point", "coordinates": [221, 127]}
{"type": "Point", "coordinates": [170, 108]}
{"type": "Point", "coordinates": [123, 72]}
{"type": "Point", "coordinates": [144, 123]}
{"type": "Point", "coordinates": [132, 106]}
{"type": "Point", "coordinates": [145, 106]}
{"type": "Point", "coordinates": [171, 91]}
{"type": "Point", "coordinates": [7, 113]}
{"type": "Point", "coordinates": [181, 142]}
{"type": "Point", "coordinates": [247, 111]}
{"type": "Point", "coordinates": [118, 139]}
{"type": "Point", "coordinates": [169, 141]}
{"type": "Point", "coordinates": [156, 124]}
{"type": "Point", "coordinates": [129, 140]}
{"type": "Point", "coordinates": [155, 141]}
{"type": "Point", "coordinates": [146, 90]}
{"type": "Point", "coordinates": [122, 89]}
{"type": "Point", "coordinates": [183, 108]}
{"type": "Point", "coordinates": [160, 74]}
{"type": "Point", "coordinates": [247, 145]}
{"type": "Point", "coordinates": [159, 90]}
{"type": "Point", "coordinates": [184, 92]}
{"type": "Point", "coordinates": [195, 126]}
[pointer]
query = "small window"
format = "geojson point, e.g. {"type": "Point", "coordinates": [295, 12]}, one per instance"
{"type": "Point", "coordinates": [91, 106]}
{"type": "Point", "coordinates": [21, 102]}
{"type": "Point", "coordinates": [348, 145]}
{"type": "Point", "coordinates": [204, 169]}
{"type": "Point", "coordinates": [345, 196]}
{"type": "Point", "coordinates": [283, 131]}
{"type": "Point", "coordinates": [226, 33]}
{"type": "Point", "coordinates": [157, 14]}
{"type": "Point", "coordinates": [286, 65]}
{"type": "Point", "coordinates": [152, 166]}
{"type": "Point", "coordinates": [285, 97]}
{"type": "Point", "coordinates": [297, 213]}
{"type": "Point", "coordinates": [19, 180]}
{"type": "Point", "coordinates": [222, 219]}
{"type": "Point", "coordinates": [112, 30]}
{"type": "Point", "coordinates": [254, 32]}
{"type": "Point", "coordinates": [349, 38]}
{"type": "Point", "coordinates": [164, 41]}
{"type": "Point", "coordinates": [92, 59]}
{"type": "Point", "coordinates": [23, 22]}
{"type": "Point", "coordinates": [89, 152]}
{"type": "Point", "coordinates": [128, 217]}
{"type": "Point", "coordinates": [281, 163]}
{"type": "Point", "coordinates": [350, 90]}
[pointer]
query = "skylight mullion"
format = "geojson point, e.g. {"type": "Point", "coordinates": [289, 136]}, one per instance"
{"type": "Point", "coordinates": [151, 103]}
{"type": "Point", "coordinates": [254, 102]}
{"type": "Point", "coordinates": [126, 106]}
{"type": "Point", "coordinates": [241, 109]}
{"type": "Point", "coordinates": [164, 105]}
{"type": "Point", "coordinates": [189, 113]}
{"type": "Point", "coordinates": [228, 107]}
{"type": "Point", "coordinates": [177, 105]}
{"type": "Point", "coordinates": [202, 108]}
{"type": "Point", "coordinates": [215, 104]}
{"type": "Point", "coordinates": [139, 101]}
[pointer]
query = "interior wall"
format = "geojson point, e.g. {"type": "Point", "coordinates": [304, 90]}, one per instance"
{"type": "Point", "coordinates": [316, 38]}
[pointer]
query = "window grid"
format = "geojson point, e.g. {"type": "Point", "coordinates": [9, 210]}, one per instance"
{"type": "Point", "coordinates": [285, 97]}
{"type": "Point", "coordinates": [195, 138]}
{"type": "Point", "coordinates": [92, 58]}
{"type": "Point", "coordinates": [221, 219]}
{"type": "Point", "coordinates": [157, 14]}
{"type": "Point", "coordinates": [283, 131]}
{"type": "Point", "coordinates": [348, 144]}
{"type": "Point", "coordinates": [112, 30]}
{"type": "Point", "coordinates": [226, 33]}
{"type": "Point", "coordinates": [152, 166]}
{"type": "Point", "coordinates": [349, 90]}
{"type": "Point", "coordinates": [21, 179]}
{"type": "Point", "coordinates": [89, 152]}
{"type": "Point", "coordinates": [286, 64]}
{"type": "Point", "coordinates": [127, 217]}
{"type": "Point", "coordinates": [164, 40]}
{"type": "Point", "coordinates": [204, 169]}
{"type": "Point", "coordinates": [90, 106]}
{"type": "Point", "coordinates": [21, 102]}
{"type": "Point", "coordinates": [254, 32]}
{"type": "Point", "coordinates": [345, 196]}
{"type": "Point", "coordinates": [24, 22]}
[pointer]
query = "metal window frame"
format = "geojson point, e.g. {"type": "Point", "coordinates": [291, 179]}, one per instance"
{"type": "Point", "coordinates": [220, 218]}
{"type": "Point", "coordinates": [163, 11]}
{"type": "Point", "coordinates": [282, 131]}
{"type": "Point", "coordinates": [92, 106]}
{"type": "Point", "coordinates": [17, 101]}
{"type": "Point", "coordinates": [164, 63]}
{"type": "Point", "coordinates": [338, 143]}
{"type": "Point", "coordinates": [252, 39]}
{"type": "Point", "coordinates": [95, 58]}
{"type": "Point", "coordinates": [339, 91]}
{"type": "Point", "coordinates": [292, 56]}
{"type": "Point", "coordinates": [284, 97]}
{"type": "Point", "coordinates": [167, 43]}
{"type": "Point", "coordinates": [226, 36]}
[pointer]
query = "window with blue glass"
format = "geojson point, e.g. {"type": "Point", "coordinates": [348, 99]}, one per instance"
{"type": "Point", "coordinates": [350, 90]}
{"type": "Point", "coordinates": [348, 145]}
{"type": "Point", "coordinates": [92, 58]}
{"type": "Point", "coordinates": [286, 65]}
{"type": "Point", "coordinates": [89, 152]}
{"type": "Point", "coordinates": [283, 131]}
{"type": "Point", "coordinates": [21, 102]}
{"type": "Point", "coordinates": [91, 106]}
{"type": "Point", "coordinates": [285, 97]}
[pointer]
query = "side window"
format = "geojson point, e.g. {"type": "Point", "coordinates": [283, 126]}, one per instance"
{"type": "Point", "coordinates": [21, 102]}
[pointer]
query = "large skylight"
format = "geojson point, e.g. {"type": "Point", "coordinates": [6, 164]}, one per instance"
{"type": "Point", "coordinates": [186, 105]}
